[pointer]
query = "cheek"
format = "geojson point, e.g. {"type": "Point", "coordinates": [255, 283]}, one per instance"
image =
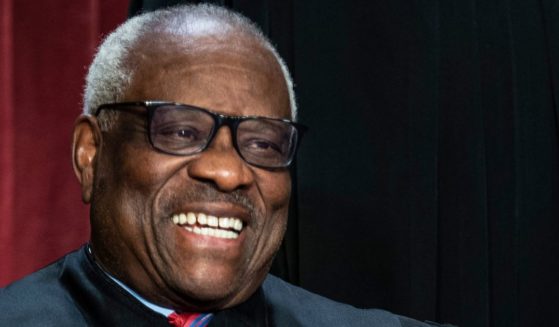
{"type": "Point", "coordinates": [136, 167]}
{"type": "Point", "coordinates": [275, 188]}
{"type": "Point", "coordinates": [132, 175]}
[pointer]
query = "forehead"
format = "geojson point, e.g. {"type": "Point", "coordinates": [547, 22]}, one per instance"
{"type": "Point", "coordinates": [237, 77]}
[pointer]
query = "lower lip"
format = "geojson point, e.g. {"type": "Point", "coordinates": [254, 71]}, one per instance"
{"type": "Point", "coordinates": [206, 241]}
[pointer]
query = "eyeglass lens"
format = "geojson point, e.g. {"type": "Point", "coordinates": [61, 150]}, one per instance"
{"type": "Point", "coordinates": [260, 141]}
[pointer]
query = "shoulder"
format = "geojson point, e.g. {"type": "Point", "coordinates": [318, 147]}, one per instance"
{"type": "Point", "coordinates": [38, 296]}
{"type": "Point", "coordinates": [290, 305]}
{"type": "Point", "coordinates": [408, 322]}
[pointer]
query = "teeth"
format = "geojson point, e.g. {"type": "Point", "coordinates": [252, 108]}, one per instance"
{"type": "Point", "coordinates": [212, 221]}
{"type": "Point", "coordinates": [224, 222]}
{"type": "Point", "coordinates": [202, 219]}
{"type": "Point", "coordinates": [215, 232]}
{"type": "Point", "coordinates": [237, 225]}
{"type": "Point", "coordinates": [182, 219]}
{"type": "Point", "coordinates": [191, 218]}
{"type": "Point", "coordinates": [202, 224]}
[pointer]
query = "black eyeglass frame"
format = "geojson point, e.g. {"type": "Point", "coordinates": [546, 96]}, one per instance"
{"type": "Point", "coordinates": [219, 120]}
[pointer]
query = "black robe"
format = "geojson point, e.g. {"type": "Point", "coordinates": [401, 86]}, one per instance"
{"type": "Point", "coordinates": [74, 291]}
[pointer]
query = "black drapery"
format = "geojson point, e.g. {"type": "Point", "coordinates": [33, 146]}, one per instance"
{"type": "Point", "coordinates": [429, 181]}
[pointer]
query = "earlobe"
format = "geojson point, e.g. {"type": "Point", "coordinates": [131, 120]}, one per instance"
{"type": "Point", "coordinates": [85, 147]}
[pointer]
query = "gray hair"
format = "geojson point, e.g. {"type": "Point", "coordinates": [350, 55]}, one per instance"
{"type": "Point", "coordinates": [109, 75]}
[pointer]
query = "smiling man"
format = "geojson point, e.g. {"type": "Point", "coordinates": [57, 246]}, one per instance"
{"type": "Point", "coordinates": [183, 153]}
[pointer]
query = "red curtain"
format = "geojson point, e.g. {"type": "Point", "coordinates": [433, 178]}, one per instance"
{"type": "Point", "coordinates": [45, 48]}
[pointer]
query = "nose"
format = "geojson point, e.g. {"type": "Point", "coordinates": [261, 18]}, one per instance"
{"type": "Point", "coordinates": [221, 165]}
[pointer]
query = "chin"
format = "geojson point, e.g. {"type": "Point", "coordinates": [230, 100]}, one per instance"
{"type": "Point", "coordinates": [212, 290]}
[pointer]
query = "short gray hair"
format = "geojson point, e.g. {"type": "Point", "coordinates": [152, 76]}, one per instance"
{"type": "Point", "coordinates": [109, 75]}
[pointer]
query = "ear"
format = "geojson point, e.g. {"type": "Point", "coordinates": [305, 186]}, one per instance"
{"type": "Point", "coordinates": [85, 147]}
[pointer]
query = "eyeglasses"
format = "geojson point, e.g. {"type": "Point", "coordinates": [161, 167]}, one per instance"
{"type": "Point", "coordinates": [181, 129]}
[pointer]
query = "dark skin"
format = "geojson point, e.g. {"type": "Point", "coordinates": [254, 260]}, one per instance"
{"type": "Point", "coordinates": [134, 190]}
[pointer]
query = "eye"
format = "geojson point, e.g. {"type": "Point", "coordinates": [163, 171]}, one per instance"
{"type": "Point", "coordinates": [261, 145]}
{"type": "Point", "coordinates": [180, 133]}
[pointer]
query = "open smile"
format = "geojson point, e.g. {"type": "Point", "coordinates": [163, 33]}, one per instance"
{"type": "Point", "coordinates": [208, 225]}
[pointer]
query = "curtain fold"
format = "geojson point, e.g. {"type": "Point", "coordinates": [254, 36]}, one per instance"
{"type": "Point", "coordinates": [550, 12]}
{"type": "Point", "coordinates": [462, 169]}
{"type": "Point", "coordinates": [437, 195]}
{"type": "Point", "coordinates": [45, 49]}
{"type": "Point", "coordinates": [6, 137]}
{"type": "Point", "coordinates": [422, 117]}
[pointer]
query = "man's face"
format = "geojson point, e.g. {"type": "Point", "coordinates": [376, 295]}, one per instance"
{"type": "Point", "coordinates": [137, 190]}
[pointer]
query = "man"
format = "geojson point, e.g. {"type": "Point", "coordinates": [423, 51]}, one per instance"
{"type": "Point", "coordinates": [183, 153]}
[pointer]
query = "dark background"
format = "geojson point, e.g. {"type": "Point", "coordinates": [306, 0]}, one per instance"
{"type": "Point", "coordinates": [428, 183]}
